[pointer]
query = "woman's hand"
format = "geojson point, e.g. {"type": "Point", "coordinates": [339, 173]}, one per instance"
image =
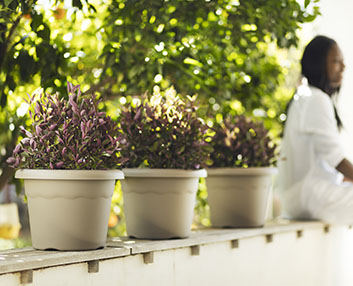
{"type": "Point", "coordinates": [346, 168]}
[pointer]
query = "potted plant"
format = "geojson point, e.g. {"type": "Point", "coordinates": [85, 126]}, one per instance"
{"type": "Point", "coordinates": [64, 161]}
{"type": "Point", "coordinates": [167, 149]}
{"type": "Point", "coordinates": [240, 173]}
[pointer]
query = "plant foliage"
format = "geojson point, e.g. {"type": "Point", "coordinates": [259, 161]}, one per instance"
{"type": "Point", "coordinates": [164, 131]}
{"type": "Point", "coordinates": [218, 49]}
{"type": "Point", "coordinates": [241, 142]}
{"type": "Point", "coordinates": [68, 134]}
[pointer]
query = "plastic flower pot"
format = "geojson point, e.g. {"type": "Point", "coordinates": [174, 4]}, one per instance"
{"type": "Point", "coordinates": [159, 203]}
{"type": "Point", "coordinates": [69, 209]}
{"type": "Point", "coordinates": [238, 197]}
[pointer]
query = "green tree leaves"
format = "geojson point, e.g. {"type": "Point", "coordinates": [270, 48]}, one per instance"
{"type": "Point", "coordinates": [217, 49]}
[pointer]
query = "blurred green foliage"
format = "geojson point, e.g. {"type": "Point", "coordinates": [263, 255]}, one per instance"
{"type": "Point", "coordinates": [218, 49]}
{"type": "Point", "coordinates": [230, 52]}
{"type": "Point", "coordinates": [31, 55]}
{"type": "Point", "coordinates": [117, 225]}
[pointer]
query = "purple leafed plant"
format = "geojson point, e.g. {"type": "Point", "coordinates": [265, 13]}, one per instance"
{"type": "Point", "coordinates": [241, 142]}
{"type": "Point", "coordinates": [68, 134]}
{"type": "Point", "coordinates": [164, 131]}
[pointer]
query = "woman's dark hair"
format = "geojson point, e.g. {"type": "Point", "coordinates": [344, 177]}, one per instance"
{"type": "Point", "coordinates": [314, 63]}
{"type": "Point", "coordinates": [314, 67]}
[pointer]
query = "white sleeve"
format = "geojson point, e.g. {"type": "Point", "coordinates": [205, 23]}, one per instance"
{"type": "Point", "coordinates": [320, 123]}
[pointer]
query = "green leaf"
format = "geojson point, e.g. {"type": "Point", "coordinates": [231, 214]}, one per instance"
{"type": "Point", "coordinates": [37, 20]}
{"type": "Point", "coordinates": [306, 3]}
{"type": "Point", "coordinates": [212, 17]}
{"type": "Point", "coordinates": [10, 82]}
{"type": "Point", "coordinates": [310, 18]}
{"type": "Point", "coordinates": [3, 99]}
{"type": "Point", "coordinates": [77, 3]}
{"type": "Point", "coordinates": [190, 61]}
{"type": "Point", "coordinates": [92, 8]}
{"type": "Point", "coordinates": [7, 2]}
{"type": "Point", "coordinates": [155, 146]}
{"type": "Point", "coordinates": [26, 63]}
{"type": "Point", "coordinates": [44, 34]}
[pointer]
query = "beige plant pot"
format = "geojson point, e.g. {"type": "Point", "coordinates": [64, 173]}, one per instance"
{"type": "Point", "coordinates": [69, 209]}
{"type": "Point", "coordinates": [159, 203]}
{"type": "Point", "coordinates": [238, 197]}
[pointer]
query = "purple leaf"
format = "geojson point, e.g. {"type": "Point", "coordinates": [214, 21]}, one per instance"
{"type": "Point", "coordinates": [28, 134]}
{"type": "Point", "coordinates": [69, 87]}
{"type": "Point", "coordinates": [83, 128]}
{"type": "Point", "coordinates": [11, 161]}
{"type": "Point", "coordinates": [52, 126]}
{"type": "Point", "coordinates": [38, 108]}
{"type": "Point", "coordinates": [59, 165]}
{"type": "Point", "coordinates": [89, 125]}
{"type": "Point", "coordinates": [17, 149]}
{"type": "Point", "coordinates": [111, 139]}
{"type": "Point", "coordinates": [138, 114]}
{"type": "Point", "coordinates": [38, 130]}
{"type": "Point", "coordinates": [73, 104]}
{"type": "Point", "coordinates": [32, 143]}
{"type": "Point", "coordinates": [25, 141]}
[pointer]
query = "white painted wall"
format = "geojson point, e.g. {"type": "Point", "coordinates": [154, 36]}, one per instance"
{"type": "Point", "coordinates": [288, 260]}
{"type": "Point", "coordinates": [336, 22]}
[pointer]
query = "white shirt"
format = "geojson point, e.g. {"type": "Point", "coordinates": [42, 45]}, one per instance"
{"type": "Point", "coordinates": [310, 150]}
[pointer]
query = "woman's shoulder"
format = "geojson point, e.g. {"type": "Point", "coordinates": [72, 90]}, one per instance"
{"type": "Point", "coordinates": [311, 104]}
{"type": "Point", "coordinates": [315, 97]}
{"type": "Point", "coordinates": [318, 95]}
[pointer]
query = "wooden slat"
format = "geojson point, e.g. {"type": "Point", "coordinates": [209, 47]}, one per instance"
{"type": "Point", "coordinates": [212, 235]}
{"type": "Point", "coordinates": [36, 259]}
{"type": "Point", "coordinates": [18, 260]}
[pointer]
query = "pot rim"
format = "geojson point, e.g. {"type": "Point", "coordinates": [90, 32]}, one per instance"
{"type": "Point", "coordinates": [47, 174]}
{"type": "Point", "coordinates": [233, 171]}
{"type": "Point", "coordinates": [164, 173]}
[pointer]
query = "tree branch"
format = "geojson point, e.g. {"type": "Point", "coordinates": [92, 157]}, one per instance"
{"type": "Point", "coordinates": [7, 173]}
{"type": "Point", "coordinates": [6, 42]}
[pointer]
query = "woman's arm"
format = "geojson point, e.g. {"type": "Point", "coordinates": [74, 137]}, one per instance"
{"type": "Point", "coordinates": [346, 168]}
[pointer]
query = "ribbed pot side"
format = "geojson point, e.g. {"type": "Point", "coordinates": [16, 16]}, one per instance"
{"type": "Point", "coordinates": [69, 210]}
{"type": "Point", "coordinates": [159, 203]}
{"type": "Point", "coordinates": [238, 197]}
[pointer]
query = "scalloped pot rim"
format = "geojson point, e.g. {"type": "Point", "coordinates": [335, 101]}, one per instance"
{"type": "Point", "coordinates": [164, 173]}
{"type": "Point", "coordinates": [241, 171]}
{"type": "Point", "coordinates": [41, 174]}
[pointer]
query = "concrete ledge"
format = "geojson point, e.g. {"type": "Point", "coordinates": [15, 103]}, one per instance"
{"type": "Point", "coordinates": [30, 259]}
{"type": "Point", "coordinates": [280, 252]}
{"type": "Point", "coordinates": [213, 235]}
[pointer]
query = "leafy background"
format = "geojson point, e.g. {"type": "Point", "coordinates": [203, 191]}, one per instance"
{"type": "Point", "coordinates": [235, 54]}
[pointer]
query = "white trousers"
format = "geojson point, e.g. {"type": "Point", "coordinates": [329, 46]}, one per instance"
{"type": "Point", "coordinates": [319, 199]}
